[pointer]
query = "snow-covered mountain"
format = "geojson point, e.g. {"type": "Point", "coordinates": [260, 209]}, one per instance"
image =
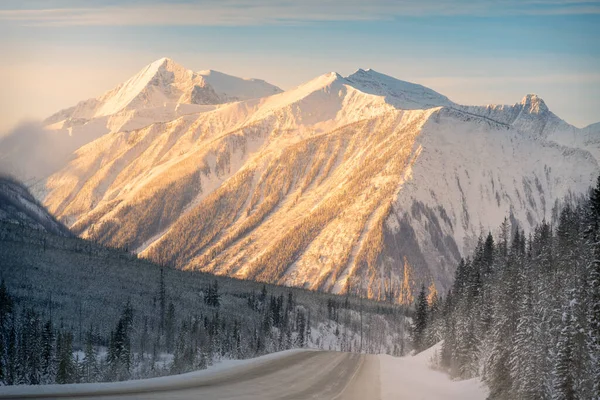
{"type": "Point", "coordinates": [160, 92]}
{"type": "Point", "coordinates": [338, 183]}
{"type": "Point", "coordinates": [18, 206]}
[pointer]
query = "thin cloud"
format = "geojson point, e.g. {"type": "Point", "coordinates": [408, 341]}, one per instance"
{"type": "Point", "coordinates": [265, 12]}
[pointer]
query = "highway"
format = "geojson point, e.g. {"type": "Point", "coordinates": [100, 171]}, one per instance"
{"type": "Point", "coordinates": [294, 375]}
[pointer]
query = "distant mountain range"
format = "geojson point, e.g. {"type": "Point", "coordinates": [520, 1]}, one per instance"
{"type": "Point", "coordinates": [339, 183]}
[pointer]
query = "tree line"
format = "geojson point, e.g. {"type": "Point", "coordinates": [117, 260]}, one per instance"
{"type": "Point", "coordinates": [36, 351]}
{"type": "Point", "coordinates": [524, 311]}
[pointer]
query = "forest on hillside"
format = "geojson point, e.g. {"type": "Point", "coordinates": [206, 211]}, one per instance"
{"type": "Point", "coordinates": [74, 311]}
{"type": "Point", "coordinates": [524, 311]}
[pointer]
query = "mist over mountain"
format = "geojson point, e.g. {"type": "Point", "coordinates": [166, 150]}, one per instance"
{"type": "Point", "coordinates": [31, 152]}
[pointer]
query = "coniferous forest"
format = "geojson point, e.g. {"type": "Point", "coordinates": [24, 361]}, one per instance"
{"type": "Point", "coordinates": [524, 310]}
{"type": "Point", "coordinates": [72, 311]}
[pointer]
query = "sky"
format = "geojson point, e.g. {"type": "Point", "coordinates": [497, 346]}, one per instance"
{"type": "Point", "coordinates": [56, 53]}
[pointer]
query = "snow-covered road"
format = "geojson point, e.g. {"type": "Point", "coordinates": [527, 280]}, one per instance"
{"type": "Point", "coordinates": [286, 375]}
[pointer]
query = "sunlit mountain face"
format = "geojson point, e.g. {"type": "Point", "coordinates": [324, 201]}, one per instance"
{"type": "Point", "coordinates": [339, 183]}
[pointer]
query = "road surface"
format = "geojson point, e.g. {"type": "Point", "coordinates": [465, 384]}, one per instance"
{"type": "Point", "coordinates": [295, 375]}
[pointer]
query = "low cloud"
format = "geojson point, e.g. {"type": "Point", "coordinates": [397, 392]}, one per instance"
{"type": "Point", "coordinates": [30, 153]}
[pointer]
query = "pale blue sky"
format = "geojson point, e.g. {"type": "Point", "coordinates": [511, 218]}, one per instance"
{"type": "Point", "coordinates": [475, 52]}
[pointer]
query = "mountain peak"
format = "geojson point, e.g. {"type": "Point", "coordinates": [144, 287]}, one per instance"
{"type": "Point", "coordinates": [161, 61]}
{"type": "Point", "coordinates": [534, 104]}
{"type": "Point", "coordinates": [160, 82]}
{"type": "Point", "coordinates": [368, 73]}
{"type": "Point", "coordinates": [321, 82]}
{"type": "Point", "coordinates": [161, 64]}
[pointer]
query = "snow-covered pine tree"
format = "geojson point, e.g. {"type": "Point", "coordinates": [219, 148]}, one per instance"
{"type": "Point", "coordinates": [433, 332]}
{"type": "Point", "coordinates": [420, 320]}
{"type": "Point", "coordinates": [564, 380]}
{"type": "Point", "coordinates": [522, 363]}
{"type": "Point", "coordinates": [66, 371]}
{"type": "Point", "coordinates": [593, 300]}
{"type": "Point", "coordinates": [6, 310]}
{"type": "Point", "coordinates": [162, 295]}
{"type": "Point", "coordinates": [170, 328]}
{"type": "Point", "coordinates": [48, 356]}
{"type": "Point", "coordinates": [89, 363]}
{"type": "Point", "coordinates": [119, 349]}
{"type": "Point", "coordinates": [30, 348]}
{"type": "Point", "coordinates": [447, 357]}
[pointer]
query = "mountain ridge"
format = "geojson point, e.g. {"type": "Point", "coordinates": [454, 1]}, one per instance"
{"type": "Point", "coordinates": [339, 183]}
{"type": "Point", "coordinates": [178, 84]}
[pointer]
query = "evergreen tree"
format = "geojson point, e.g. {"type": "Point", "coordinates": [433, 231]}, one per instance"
{"type": "Point", "coordinates": [301, 326]}
{"type": "Point", "coordinates": [89, 364]}
{"type": "Point", "coordinates": [170, 328]}
{"type": "Point", "coordinates": [67, 370]}
{"type": "Point", "coordinates": [215, 298]}
{"type": "Point", "coordinates": [30, 348]}
{"type": "Point", "coordinates": [162, 295]}
{"type": "Point", "coordinates": [433, 331]}
{"type": "Point", "coordinates": [6, 310]}
{"type": "Point", "coordinates": [48, 354]}
{"type": "Point", "coordinates": [565, 368]}
{"type": "Point", "coordinates": [119, 349]}
{"type": "Point", "coordinates": [11, 354]}
{"type": "Point", "coordinates": [446, 359]}
{"type": "Point", "coordinates": [523, 369]}
{"type": "Point", "coordinates": [593, 315]}
{"type": "Point", "coordinates": [420, 320]}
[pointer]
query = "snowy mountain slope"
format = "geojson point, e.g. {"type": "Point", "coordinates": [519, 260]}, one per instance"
{"type": "Point", "coordinates": [587, 138]}
{"type": "Point", "coordinates": [326, 102]}
{"type": "Point", "coordinates": [592, 128]}
{"type": "Point", "coordinates": [123, 165]}
{"type": "Point", "coordinates": [591, 139]}
{"type": "Point", "coordinates": [532, 116]}
{"type": "Point", "coordinates": [330, 185]}
{"type": "Point", "coordinates": [18, 206]}
{"type": "Point", "coordinates": [400, 94]}
{"type": "Point", "coordinates": [471, 174]}
{"type": "Point", "coordinates": [231, 88]}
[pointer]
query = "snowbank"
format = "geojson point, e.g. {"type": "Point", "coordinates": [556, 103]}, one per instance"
{"type": "Point", "coordinates": [412, 378]}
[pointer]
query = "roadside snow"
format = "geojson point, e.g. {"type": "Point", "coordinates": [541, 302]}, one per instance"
{"type": "Point", "coordinates": [109, 388]}
{"type": "Point", "coordinates": [412, 378]}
